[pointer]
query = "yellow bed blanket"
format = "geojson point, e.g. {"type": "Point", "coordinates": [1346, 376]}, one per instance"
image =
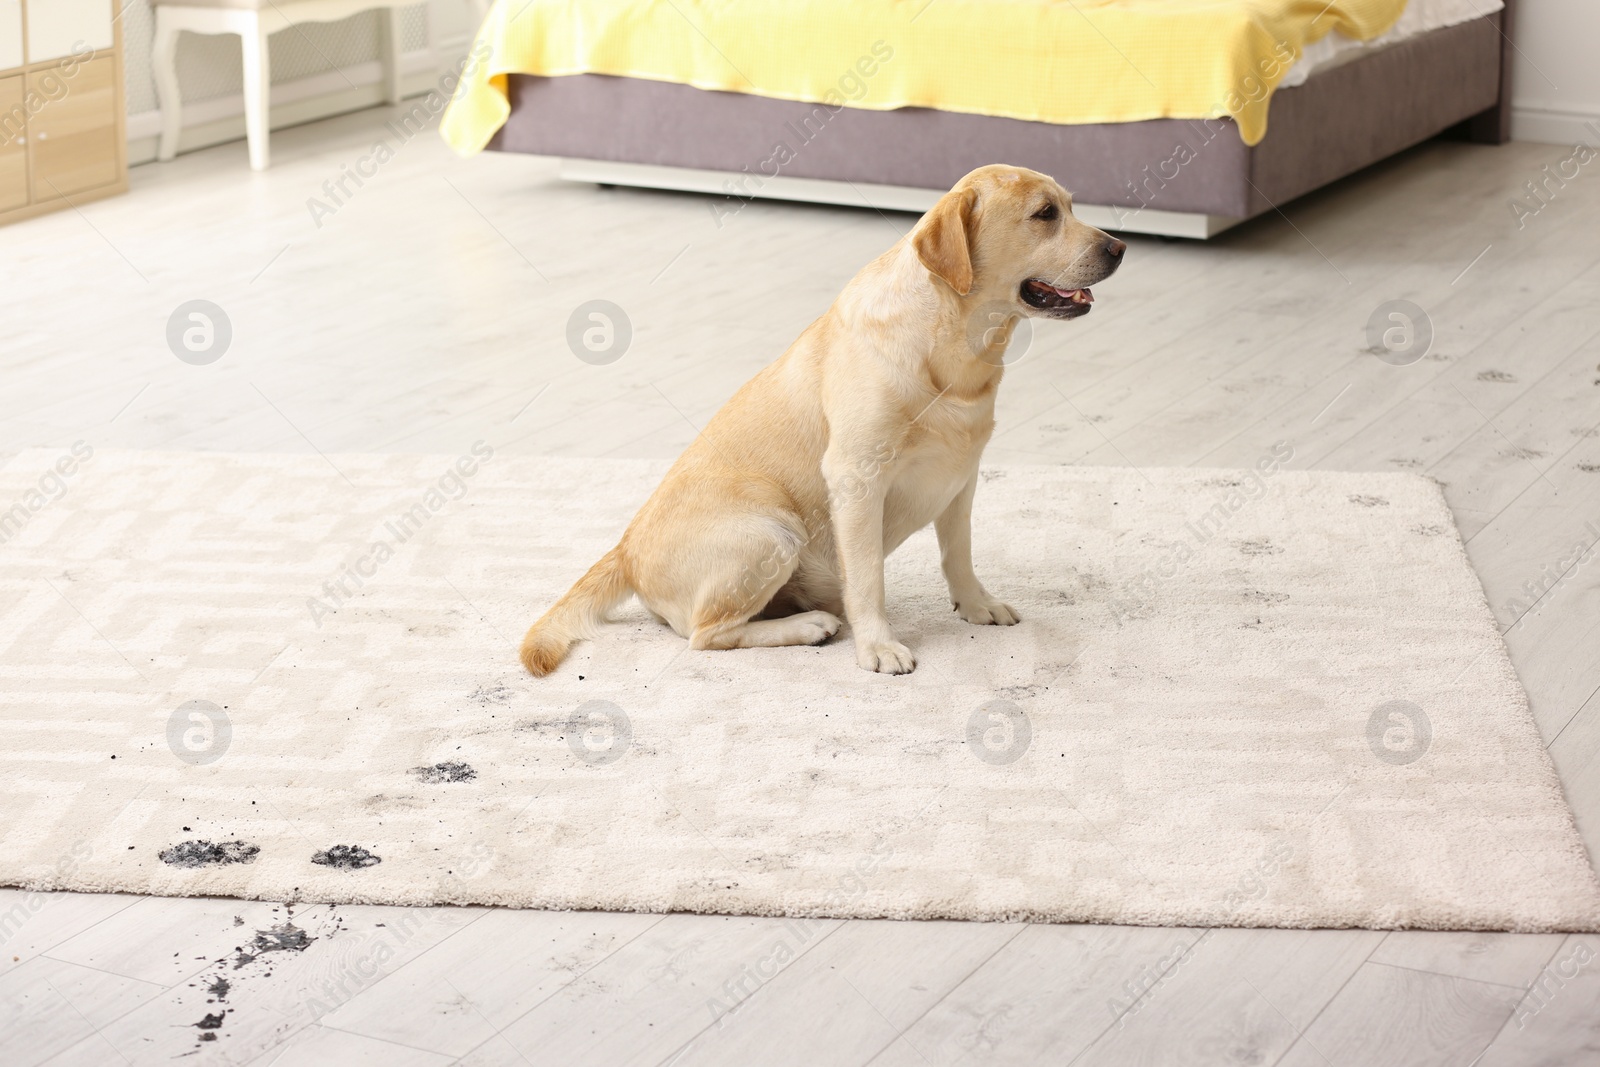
{"type": "Point", "coordinates": [1059, 61]}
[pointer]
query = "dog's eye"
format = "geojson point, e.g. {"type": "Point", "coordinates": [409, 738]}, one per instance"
{"type": "Point", "coordinates": [1046, 213]}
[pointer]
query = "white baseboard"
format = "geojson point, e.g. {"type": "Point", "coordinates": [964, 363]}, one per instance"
{"type": "Point", "coordinates": [1549, 125]}
{"type": "Point", "coordinates": [221, 119]}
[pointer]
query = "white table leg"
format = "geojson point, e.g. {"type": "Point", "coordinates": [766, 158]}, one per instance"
{"type": "Point", "coordinates": [164, 67]}
{"type": "Point", "coordinates": [257, 79]}
{"type": "Point", "coordinates": [389, 44]}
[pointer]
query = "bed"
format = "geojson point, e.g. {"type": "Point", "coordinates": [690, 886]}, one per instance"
{"type": "Point", "coordinates": [1245, 106]}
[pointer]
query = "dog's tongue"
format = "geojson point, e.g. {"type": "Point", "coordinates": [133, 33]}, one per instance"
{"type": "Point", "coordinates": [1077, 296]}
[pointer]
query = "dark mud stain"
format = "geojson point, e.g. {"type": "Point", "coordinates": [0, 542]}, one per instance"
{"type": "Point", "coordinates": [990, 474]}
{"type": "Point", "coordinates": [1265, 597]}
{"type": "Point", "coordinates": [439, 773]}
{"type": "Point", "coordinates": [1523, 452]}
{"type": "Point", "coordinates": [1589, 468]}
{"type": "Point", "coordinates": [1258, 546]}
{"type": "Point", "coordinates": [498, 693]}
{"type": "Point", "coordinates": [1496, 376]}
{"type": "Point", "coordinates": [285, 937]}
{"type": "Point", "coordinates": [209, 1026]}
{"type": "Point", "coordinates": [1369, 501]}
{"type": "Point", "coordinates": [1429, 529]}
{"type": "Point", "coordinates": [430, 630]}
{"type": "Point", "coordinates": [200, 853]}
{"type": "Point", "coordinates": [1090, 583]}
{"type": "Point", "coordinates": [554, 727]}
{"type": "Point", "coordinates": [1226, 482]}
{"type": "Point", "coordinates": [346, 858]}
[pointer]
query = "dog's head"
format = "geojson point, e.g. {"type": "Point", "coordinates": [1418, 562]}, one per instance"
{"type": "Point", "coordinates": [1006, 235]}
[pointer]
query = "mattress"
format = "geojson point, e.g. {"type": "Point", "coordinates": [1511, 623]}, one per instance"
{"type": "Point", "coordinates": [1419, 17]}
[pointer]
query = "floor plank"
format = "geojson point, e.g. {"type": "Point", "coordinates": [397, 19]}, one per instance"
{"type": "Point", "coordinates": [486, 977]}
{"type": "Point", "coordinates": [1391, 1015]}
{"type": "Point", "coordinates": [47, 1005]}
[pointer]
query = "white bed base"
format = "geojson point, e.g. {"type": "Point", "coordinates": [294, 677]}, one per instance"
{"type": "Point", "coordinates": [856, 194]}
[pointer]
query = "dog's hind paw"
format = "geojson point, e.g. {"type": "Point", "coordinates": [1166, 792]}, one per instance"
{"type": "Point", "coordinates": [816, 627]}
{"type": "Point", "coordinates": [886, 657]}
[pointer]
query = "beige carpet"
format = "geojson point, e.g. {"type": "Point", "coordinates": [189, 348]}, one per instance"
{"type": "Point", "coordinates": [1233, 700]}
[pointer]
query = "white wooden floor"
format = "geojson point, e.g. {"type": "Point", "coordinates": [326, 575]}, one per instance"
{"type": "Point", "coordinates": [430, 309]}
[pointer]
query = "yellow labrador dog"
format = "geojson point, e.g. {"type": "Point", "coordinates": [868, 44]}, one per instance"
{"type": "Point", "coordinates": [777, 519]}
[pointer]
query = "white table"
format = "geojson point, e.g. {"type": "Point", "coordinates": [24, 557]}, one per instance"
{"type": "Point", "coordinates": [254, 21]}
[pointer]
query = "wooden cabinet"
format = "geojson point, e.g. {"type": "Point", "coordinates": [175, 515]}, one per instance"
{"type": "Point", "coordinates": [13, 150]}
{"type": "Point", "coordinates": [74, 135]}
{"type": "Point", "coordinates": [62, 122]}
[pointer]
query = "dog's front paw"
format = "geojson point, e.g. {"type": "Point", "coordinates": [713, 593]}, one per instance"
{"type": "Point", "coordinates": [988, 613]}
{"type": "Point", "coordinates": [885, 657]}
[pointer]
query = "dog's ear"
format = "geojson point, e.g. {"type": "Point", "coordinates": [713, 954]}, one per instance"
{"type": "Point", "coordinates": [942, 242]}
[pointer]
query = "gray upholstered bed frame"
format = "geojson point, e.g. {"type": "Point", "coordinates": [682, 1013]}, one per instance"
{"type": "Point", "coordinates": [1129, 176]}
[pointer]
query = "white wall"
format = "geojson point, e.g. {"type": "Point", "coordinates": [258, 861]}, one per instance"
{"type": "Point", "coordinates": [1556, 77]}
{"type": "Point", "coordinates": [318, 69]}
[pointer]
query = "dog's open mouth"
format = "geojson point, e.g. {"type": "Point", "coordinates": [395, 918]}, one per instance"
{"type": "Point", "coordinates": [1057, 303]}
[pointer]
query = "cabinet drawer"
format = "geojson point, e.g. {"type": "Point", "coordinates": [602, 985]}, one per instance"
{"type": "Point", "coordinates": [13, 149]}
{"type": "Point", "coordinates": [73, 138]}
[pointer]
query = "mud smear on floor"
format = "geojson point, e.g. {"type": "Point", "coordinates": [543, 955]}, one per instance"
{"type": "Point", "coordinates": [440, 773]}
{"type": "Point", "coordinates": [285, 937]}
{"type": "Point", "coordinates": [247, 962]}
{"type": "Point", "coordinates": [209, 1026]}
{"type": "Point", "coordinates": [200, 853]}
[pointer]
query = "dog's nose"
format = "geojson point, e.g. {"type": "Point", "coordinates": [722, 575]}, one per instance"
{"type": "Point", "coordinates": [1115, 248]}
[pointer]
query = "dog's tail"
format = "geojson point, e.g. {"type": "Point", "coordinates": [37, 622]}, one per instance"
{"type": "Point", "coordinates": [577, 614]}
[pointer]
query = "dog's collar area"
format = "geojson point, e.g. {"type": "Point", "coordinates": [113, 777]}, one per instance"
{"type": "Point", "coordinates": [1065, 303]}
